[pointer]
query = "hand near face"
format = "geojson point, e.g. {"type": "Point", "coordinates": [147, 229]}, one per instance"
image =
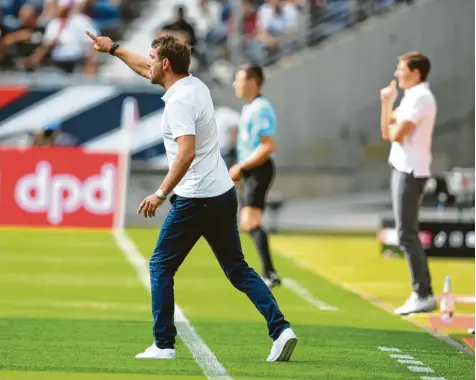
{"type": "Point", "coordinates": [389, 94]}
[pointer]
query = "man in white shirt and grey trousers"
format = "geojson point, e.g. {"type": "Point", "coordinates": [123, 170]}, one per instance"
{"type": "Point", "coordinates": [410, 129]}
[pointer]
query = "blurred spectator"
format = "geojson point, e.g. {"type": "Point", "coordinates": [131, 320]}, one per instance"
{"type": "Point", "coordinates": [226, 10]}
{"type": "Point", "coordinates": [56, 28]}
{"type": "Point", "coordinates": [65, 42]}
{"type": "Point", "coordinates": [49, 12]}
{"type": "Point", "coordinates": [11, 9]}
{"type": "Point", "coordinates": [47, 135]}
{"type": "Point", "coordinates": [249, 29]}
{"type": "Point", "coordinates": [23, 41]}
{"type": "Point", "coordinates": [2, 36]}
{"type": "Point", "coordinates": [183, 29]}
{"type": "Point", "coordinates": [252, 48]}
{"type": "Point", "coordinates": [300, 4]}
{"type": "Point", "coordinates": [51, 135]}
{"type": "Point", "coordinates": [277, 29]}
{"type": "Point", "coordinates": [183, 26]}
{"type": "Point", "coordinates": [209, 15]}
{"type": "Point", "coordinates": [42, 33]}
{"type": "Point", "coordinates": [213, 23]}
{"type": "Point", "coordinates": [249, 21]}
{"type": "Point", "coordinates": [182, 36]}
{"type": "Point", "coordinates": [106, 15]}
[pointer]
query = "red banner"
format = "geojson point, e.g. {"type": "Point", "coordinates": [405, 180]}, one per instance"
{"type": "Point", "coordinates": [8, 94]}
{"type": "Point", "coordinates": [58, 187]}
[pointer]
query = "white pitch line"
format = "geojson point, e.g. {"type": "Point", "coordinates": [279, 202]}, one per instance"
{"type": "Point", "coordinates": [398, 356]}
{"type": "Point", "coordinates": [202, 354]}
{"type": "Point", "coordinates": [302, 292]}
{"type": "Point", "coordinates": [420, 369]}
{"type": "Point", "coordinates": [389, 349]}
{"type": "Point", "coordinates": [375, 301]}
{"type": "Point", "coordinates": [407, 361]}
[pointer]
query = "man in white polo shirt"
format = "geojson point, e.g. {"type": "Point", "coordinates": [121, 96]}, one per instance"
{"type": "Point", "coordinates": [204, 201]}
{"type": "Point", "coordinates": [410, 130]}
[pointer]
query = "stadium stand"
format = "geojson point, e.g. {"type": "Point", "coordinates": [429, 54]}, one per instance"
{"type": "Point", "coordinates": [47, 35]}
{"type": "Point", "coordinates": [266, 31]}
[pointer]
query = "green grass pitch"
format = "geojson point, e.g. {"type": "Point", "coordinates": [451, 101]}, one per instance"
{"type": "Point", "coordinates": [72, 308]}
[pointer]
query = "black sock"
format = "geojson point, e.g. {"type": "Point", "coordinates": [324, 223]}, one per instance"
{"type": "Point", "coordinates": [260, 238]}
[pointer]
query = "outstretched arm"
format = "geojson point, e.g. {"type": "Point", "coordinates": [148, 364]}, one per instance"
{"type": "Point", "coordinates": [136, 62]}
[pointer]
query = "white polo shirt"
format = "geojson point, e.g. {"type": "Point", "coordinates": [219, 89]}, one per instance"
{"type": "Point", "coordinates": [189, 111]}
{"type": "Point", "coordinates": [413, 155]}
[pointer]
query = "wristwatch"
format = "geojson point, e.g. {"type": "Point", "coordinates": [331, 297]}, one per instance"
{"type": "Point", "coordinates": [160, 193]}
{"type": "Point", "coordinates": [113, 48]}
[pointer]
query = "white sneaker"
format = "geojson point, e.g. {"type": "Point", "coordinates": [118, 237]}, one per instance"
{"type": "Point", "coordinates": [283, 347]}
{"type": "Point", "coordinates": [415, 304]}
{"type": "Point", "coordinates": [154, 352]}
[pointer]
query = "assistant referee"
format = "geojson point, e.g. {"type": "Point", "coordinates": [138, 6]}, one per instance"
{"type": "Point", "coordinates": [255, 146]}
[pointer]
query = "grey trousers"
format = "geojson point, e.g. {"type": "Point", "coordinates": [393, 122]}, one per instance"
{"type": "Point", "coordinates": [407, 192]}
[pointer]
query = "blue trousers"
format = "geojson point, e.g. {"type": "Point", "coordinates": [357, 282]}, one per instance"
{"type": "Point", "coordinates": [216, 220]}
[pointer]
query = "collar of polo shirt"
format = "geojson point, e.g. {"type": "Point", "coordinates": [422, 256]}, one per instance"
{"type": "Point", "coordinates": [174, 87]}
{"type": "Point", "coordinates": [417, 88]}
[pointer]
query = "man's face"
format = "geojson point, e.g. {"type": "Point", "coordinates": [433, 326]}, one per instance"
{"type": "Point", "coordinates": [241, 84]}
{"type": "Point", "coordinates": [156, 68]}
{"type": "Point", "coordinates": [406, 78]}
{"type": "Point", "coordinates": [27, 15]}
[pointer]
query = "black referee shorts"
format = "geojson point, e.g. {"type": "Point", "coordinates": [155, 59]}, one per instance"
{"type": "Point", "coordinates": [256, 183]}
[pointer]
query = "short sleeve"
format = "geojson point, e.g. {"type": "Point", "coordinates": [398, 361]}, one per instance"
{"type": "Point", "coordinates": [415, 109]}
{"type": "Point", "coordinates": [180, 118]}
{"type": "Point", "coordinates": [266, 122]}
{"type": "Point", "coordinates": [50, 32]}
